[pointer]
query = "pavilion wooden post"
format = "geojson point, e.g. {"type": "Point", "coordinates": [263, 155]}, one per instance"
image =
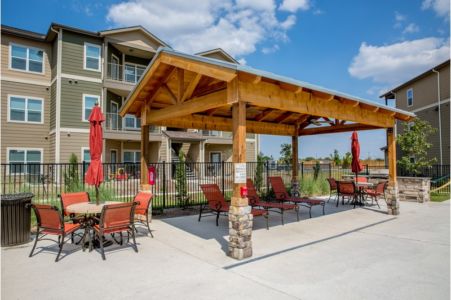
{"type": "Point", "coordinates": [240, 217]}
{"type": "Point", "coordinates": [144, 151]}
{"type": "Point", "coordinates": [392, 190]}
{"type": "Point", "coordinates": [294, 164]}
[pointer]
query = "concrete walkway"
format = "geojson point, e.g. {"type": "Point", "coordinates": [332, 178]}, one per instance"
{"type": "Point", "coordinates": [347, 254]}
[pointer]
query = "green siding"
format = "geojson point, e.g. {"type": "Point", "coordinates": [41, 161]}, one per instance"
{"type": "Point", "coordinates": [73, 54]}
{"type": "Point", "coordinates": [54, 59]}
{"type": "Point", "coordinates": [113, 50]}
{"type": "Point", "coordinates": [72, 101]}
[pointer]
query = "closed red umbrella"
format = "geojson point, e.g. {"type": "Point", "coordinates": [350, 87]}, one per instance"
{"type": "Point", "coordinates": [356, 166]}
{"type": "Point", "coordinates": [94, 176]}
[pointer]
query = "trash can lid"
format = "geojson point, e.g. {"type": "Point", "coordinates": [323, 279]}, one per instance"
{"type": "Point", "coordinates": [16, 198]}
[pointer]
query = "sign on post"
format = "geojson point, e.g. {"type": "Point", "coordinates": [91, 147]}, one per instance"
{"type": "Point", "coordinates": [240, 173]}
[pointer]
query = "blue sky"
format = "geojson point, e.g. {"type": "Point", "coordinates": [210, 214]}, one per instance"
{"type": "Point", "coordinates": [354, 46]}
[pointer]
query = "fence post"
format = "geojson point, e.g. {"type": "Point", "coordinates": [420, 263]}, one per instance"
{"type": "Point", "coordinates": [302, 170]}
{"type": "Point", "coordinates": [164, 185]}
{"type": "Point", "coordinates": [267, 176]}
{"type": "Point", "coordinates": [367, 170]}
{"type": "Point", "coordinates": [83, 171]}
{"type": "Point", "coordinates": [330, 170]}
{"type": "Point", "coordinates": [223, 175]}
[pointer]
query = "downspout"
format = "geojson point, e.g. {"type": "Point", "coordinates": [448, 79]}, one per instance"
{"type": "Point", "coordinates": [439, 115]}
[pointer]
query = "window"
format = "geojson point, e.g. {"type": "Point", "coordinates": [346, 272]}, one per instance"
{"type": "Point", "coordinates": [88, 103]}
{"type": "Point", "coordinates": [85, 154]}
{"type": "Point", "coordinates": [409, 94]}
{"type": "Point", "coordinates": [26, 59]}
{"type": "Point", "coordinates": [132, 122]}
{"type": "Point", "coordinates": [410, 125]}
{"type": "Point", "coordinates": [92, 57]}
{"type": "Point", "coordinates": [24, 160]}
{"type": "Point", "coordinates": [25, 109]}
{"type": "Point", "coordinates": [133, 72]}
{"type": "Point", "coordinates": [132, 156]}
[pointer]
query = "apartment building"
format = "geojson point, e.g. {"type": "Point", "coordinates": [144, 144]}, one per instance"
{"type": "Point", "coordinates": [428, 96]}
{"type": "Point", "coordinates": [51, 81]}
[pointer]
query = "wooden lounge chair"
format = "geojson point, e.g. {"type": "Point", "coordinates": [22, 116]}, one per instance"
{"type": "Point", "coordinates": [282, 195]}
{"type": "Point", "coordinates": [217, 204]}
{"type": "Point", "coordinates": [254, 201]}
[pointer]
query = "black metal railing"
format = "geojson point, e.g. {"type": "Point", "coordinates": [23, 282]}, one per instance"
{"type": "Point", "coordinates": [122, 180]}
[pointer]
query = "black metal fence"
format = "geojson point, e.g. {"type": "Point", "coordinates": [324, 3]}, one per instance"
{"type": "Point", "coordinates": [122, 180]}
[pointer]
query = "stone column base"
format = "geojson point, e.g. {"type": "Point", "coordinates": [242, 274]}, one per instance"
{"type": "Point", "coordinates": [240, 231]}
{"type": "Point", "coordinates": [295, 191]}
{"type": "Point", "coordinates": [392, 195]}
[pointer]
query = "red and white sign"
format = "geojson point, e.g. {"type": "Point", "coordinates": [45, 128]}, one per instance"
{"type": "Point", "coordinates": [152, 173]}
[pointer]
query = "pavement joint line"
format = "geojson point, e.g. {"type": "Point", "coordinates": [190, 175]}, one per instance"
{"type": "Point", "coordinates": [404, 238]}
{"type": "Point", "coordinates": [305, 245]}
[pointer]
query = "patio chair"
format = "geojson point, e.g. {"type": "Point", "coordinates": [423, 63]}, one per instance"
{"type": "Point", "coordinates": [378, 191]}
{"type": "Point", "coordinates": [362, 179]}
{"type": "Point", "coordinates": [347, 189]}
{"type": "Point", "coordinates": [254, 201]}
{"type": "Point", "coordinates": [50, 222]}
{"type": "Point", "coordinates": [282, 195]}
{"type": "Point", "coordinates": [116, 218]}
{"type": "Point", "coordinates": [143, 201]}
{"type": "Point", "coordinates": [73, 198]}
{"type": "Point", "coordinates": [333, 188]}
{"type": "Point", "coordinates": [217, 204]}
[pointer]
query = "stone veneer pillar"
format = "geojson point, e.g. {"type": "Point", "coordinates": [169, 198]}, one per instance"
{"type": "Point", "coordinates": [240, 230]}
{"type": "Point", "coordinates": [392, 195]}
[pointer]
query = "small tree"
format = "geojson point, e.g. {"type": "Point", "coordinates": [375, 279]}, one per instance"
{"type": "Point", "coordinates": [180, 177]}
{"type": "Point", "coordinates": [346, 160]}
{"type": "Point", "coordinates": [335, 157]}
{"type": "Point", "coordinates": [286, 156]}
{"type": "Point", "coordinates": [71, 175]}
{"type": "Point", "coordinates": [258, 179]}
{"type": "Point", "coordinates": [316, 170]}
{"type": "Point", "coordinates": [414, 146]}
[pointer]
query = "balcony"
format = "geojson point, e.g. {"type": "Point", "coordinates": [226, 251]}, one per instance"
{"type": "Point", "coordinates": [126, 128]}
{"type": "Point", "coordinates": [123, 77]}
{"type": "Point", "coordinates": [223, 134]}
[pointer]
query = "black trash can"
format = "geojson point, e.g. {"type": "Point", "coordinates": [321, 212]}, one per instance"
{"type": "Point", "coordinates": [16, 218]}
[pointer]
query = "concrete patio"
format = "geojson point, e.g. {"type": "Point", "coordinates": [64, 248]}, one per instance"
{"type": "Point", "coordinates": [348, 254]}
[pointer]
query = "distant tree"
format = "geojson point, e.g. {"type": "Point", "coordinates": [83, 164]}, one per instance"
{"type": "Point", "coordinates": [316, 170]}
{"type": "Point", "coordinates": [309, 158]}
{"type": "Point", "coordinates": [264, 157]}
{"type": "Point", "coordinates": [335, 157]}
{"type": "Point", "coordinates": [414, 145]}
{"type": "Point", "coordinates": [286, 156]}
{"type": "Point", "coordinates": [346, 160]}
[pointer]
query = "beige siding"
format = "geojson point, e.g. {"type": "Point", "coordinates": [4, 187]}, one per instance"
{"type": "Point", "coordinates": [110, 145]}
{"type": "Point", "coordinates": [72, 101]}
{"type": "Point", "coordinates": [250, 151]}
{"type": "Point", "coordinates": [24, 135]}
{"type": "Point", "coordinates": [73, 143]}
{"type": "Point", "coordinates": [5, 59]}
{"type": "Point", "coordinates": [225, 150]}
{"type": "Point", "coordinates": [164, 149]}
{"type": "Point", "coordinates": [51, 152]}
{"type": "Point", "coordinates": [135, 39]}
{"type": "Point", "coordinates": [52, 117]}
{"type": "Point", "coordinates": [73, 54]}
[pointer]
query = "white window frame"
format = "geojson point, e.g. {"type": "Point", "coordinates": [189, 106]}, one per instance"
{"type": "Point", "coordinates": [124, 125]}
{"type": "Point", "coordinates": [83, 149]}
{"type": "Point", "coordinates": [26, 109]}
{"type": "Point", "coordinates": [407, 97]}
{"type": "Point", "coordinates": [27, 63]}
{"type": "Point", "coordinates": [136, 73]}
{"type": "Point", "coordinates": [134, 155]}
{"type": "Point", "coordinates": [83, 117]}
{"type": "Point", "coordinates": [118, 67]}
{"type": "Point", "coordinates": [84, 57]}
{"type": "Point", "coordinates": [117, 152]}
{"type": "Point", "coordinates": [8, 149]}
{"type": "Point", "coordinates": [214, 152]}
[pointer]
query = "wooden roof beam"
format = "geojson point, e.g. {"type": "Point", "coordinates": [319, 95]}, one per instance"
{"type": "Point", "coordinates": [283, 117]}
{"type": "Point", "coordinates": [263, 114]}
{"type": "Point", "coordinates": [336, 129]}
{"type": "Point", "coordinates": [191, 87]}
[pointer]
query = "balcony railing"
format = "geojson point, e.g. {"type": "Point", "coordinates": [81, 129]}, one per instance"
{"type": "Point", "coordinates": [114, 122]}
{"type": "Point", "coordinates": [223, 134]}
{"type": "Point", "coordinates": [127, 72]}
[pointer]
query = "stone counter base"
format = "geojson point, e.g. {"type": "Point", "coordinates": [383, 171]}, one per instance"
{"type": "Point", "coordinates": [416, 189]}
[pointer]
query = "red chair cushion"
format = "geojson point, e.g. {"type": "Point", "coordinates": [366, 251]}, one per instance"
{"type": "Point", "coordinates": [68, 228]}
{"type": "Point", "coordinates": [258, 212]}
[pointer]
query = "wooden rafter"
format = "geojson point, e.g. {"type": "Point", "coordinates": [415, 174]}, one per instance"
{"type": "Point", "coordinates": [263, 114]}
{"type": "Point", "coordinates": [163, 80]}
{"type": "Point", "coordinates": [191, 87]}
{"type": "Point", "coordinates": [217, 86]}
{"type": "Point", "coordinates": [168, 91]}
{"type": "Point", "coordinates": [283, 117]}
{"type": "Point", "coordinates": [180, 84]}
{"type": "Point", "coordinates": [336, 129]}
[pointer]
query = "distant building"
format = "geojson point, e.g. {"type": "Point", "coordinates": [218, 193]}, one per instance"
{"type": "Point", "coordinates": [428, 96]}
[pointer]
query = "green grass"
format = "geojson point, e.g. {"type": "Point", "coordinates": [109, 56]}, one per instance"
{"type": "Point", "coordinates": [312, 187]}
{"type": "Point", "coordinates": [435, 197]}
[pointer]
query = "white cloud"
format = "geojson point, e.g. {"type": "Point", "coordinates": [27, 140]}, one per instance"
{"type": "Point", "coordinates": [237, 26]}
{"type": "Point", "coordinates": [294, 5]}
{"type": "Point", "coordinates": [441, 7]}
{"type": "Point", "coordinates": [411, 28]}
{"type": "Point", "coordinates": [399, 17]}
{"type": "Point", "coordinates": [395, 63]}
{"type": "Point", "coordinates": [269, 50]}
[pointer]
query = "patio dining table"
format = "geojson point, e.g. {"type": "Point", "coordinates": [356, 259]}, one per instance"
{"type": "Point", "coordinates": [89, 210]}
{"type": "Point", "coordinates": [361, 186]}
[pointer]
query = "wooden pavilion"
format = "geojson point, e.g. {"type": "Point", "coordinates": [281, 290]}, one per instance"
{"type": "Point", "coordinates": [189, 91]}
